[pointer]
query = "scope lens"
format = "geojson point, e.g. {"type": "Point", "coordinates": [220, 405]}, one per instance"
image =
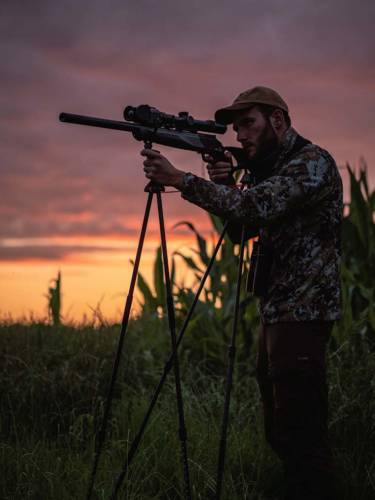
{"type": "Point", "coordinates": [129, 113]}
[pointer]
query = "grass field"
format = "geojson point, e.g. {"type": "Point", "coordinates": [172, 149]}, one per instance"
{"type": "Point", "coordinates": [54, 382]}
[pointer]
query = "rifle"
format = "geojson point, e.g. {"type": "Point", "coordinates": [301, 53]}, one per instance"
{"type": "Point", "coordinates": [150, 125]}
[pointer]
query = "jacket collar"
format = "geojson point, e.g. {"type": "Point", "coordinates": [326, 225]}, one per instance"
{"type": "Point", "coordinates": [287, 144]}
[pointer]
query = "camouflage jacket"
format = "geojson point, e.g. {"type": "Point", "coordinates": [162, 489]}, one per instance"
{"type": "Point", "coordinates": [298, 210]}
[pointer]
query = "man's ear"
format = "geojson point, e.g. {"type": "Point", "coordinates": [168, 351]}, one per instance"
{"type": "Point", "coordinates": [277, 119]}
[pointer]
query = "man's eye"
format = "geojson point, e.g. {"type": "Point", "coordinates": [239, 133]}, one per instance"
{"type": "Point", "coordinates": [245, 123]}
{"type": "Point", "coordinates": [248, 122]}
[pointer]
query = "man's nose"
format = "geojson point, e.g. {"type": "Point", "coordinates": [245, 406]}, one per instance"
{"type": "Point", "coordinates": [241, 136]}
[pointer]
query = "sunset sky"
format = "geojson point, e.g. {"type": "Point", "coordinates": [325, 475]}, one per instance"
{"type": "Point", "coordinates": [72, 197]}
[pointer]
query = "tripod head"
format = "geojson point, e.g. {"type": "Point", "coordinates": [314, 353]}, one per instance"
{"type": "Point", "coordinates": [151, 117]}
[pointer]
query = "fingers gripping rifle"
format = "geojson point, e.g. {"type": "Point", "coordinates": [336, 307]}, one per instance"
{"type": "Point", "coordinates": [150, 126]}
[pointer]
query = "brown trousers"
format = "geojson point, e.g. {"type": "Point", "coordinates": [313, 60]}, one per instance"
{"type": "Point", "coordinates": [291, 372]}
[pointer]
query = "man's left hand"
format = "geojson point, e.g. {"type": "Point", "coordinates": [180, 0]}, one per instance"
{"type": "Point", "coordinates": [158, 169]}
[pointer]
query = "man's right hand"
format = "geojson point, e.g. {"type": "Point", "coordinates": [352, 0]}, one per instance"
{"type": "Point", "coordinates": [220, 172]}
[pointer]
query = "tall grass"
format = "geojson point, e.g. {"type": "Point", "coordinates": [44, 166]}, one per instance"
{"type": "Point", "coordinates": [54, 380]}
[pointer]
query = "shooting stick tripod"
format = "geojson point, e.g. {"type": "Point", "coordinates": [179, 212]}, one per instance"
{"type": "Point", "coordinates": [153, 188]}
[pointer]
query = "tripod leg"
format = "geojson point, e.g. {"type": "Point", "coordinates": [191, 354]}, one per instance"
{"type": "Point", "coordinates": [124, 325]}
{"type": "Point", "coordinates": [172, 328]}
{"type": "Point", "coordinates": [167, 369]}
{"type": "Point", "coordinates": [228, 384]}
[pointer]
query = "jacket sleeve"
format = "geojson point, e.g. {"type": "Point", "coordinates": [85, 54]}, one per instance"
{"type": "Point", "coordinates": [303, 182]}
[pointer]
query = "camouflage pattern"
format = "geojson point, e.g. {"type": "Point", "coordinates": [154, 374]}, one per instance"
{"type": "Point", "coordinates": [298, 209]}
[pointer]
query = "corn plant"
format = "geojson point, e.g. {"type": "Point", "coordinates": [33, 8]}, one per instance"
{"type": "Point", "coordinates": [210, 327]}
{"type": "Point", "coordinates": [154, 300]}
{"type": "Point", "coordinates": [54, 300]}
{"type": "Point", "coordinates": [358, 260]}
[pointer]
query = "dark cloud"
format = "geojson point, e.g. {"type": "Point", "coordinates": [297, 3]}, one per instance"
{"type": "Point", "coordinates": [62, 179]}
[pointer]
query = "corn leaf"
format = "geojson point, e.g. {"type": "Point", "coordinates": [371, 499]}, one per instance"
{"type": "Point", "coordinates": [159, 283]}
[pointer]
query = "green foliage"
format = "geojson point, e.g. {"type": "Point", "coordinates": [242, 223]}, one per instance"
{"type": "Point", "coordinates": [54, 300]}
{"type": "Point", "coordinates": [155, 301]}
{"type": "Point", "coordinates": [212, 322]}
{"type": "Point", "coordinates": [358, 263]}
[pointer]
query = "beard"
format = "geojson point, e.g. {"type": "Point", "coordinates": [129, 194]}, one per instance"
{"type": "Point", "coordinates": [266, 154]}
{"type": "Point", "coordinates": [268, 144]}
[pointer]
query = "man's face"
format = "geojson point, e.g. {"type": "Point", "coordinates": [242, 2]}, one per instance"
{"type": "Point", "coordinates": [255, 133]}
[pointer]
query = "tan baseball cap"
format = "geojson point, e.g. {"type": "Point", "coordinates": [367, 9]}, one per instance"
{"type": "Point", "coordinates": [249, 98]}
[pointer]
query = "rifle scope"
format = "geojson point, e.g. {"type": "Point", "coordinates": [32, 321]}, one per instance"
{"type": "Point", "coordinates": [152, 117]}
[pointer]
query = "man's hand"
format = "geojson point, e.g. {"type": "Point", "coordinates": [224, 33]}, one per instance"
{"type": "Point", "coordinates": [220, 171]}
{"type": "Point", "coordinates": [158, 169]}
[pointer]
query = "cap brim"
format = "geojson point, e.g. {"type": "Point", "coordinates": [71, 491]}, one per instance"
{"type": "Point", "coordinates": [226, 115]}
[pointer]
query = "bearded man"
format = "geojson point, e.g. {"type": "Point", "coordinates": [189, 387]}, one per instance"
{"type": "Point", "coordinates": [295, 208]}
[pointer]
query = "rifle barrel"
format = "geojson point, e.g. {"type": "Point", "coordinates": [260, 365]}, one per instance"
{"type": "Point", "coordinates": [97, 122]}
